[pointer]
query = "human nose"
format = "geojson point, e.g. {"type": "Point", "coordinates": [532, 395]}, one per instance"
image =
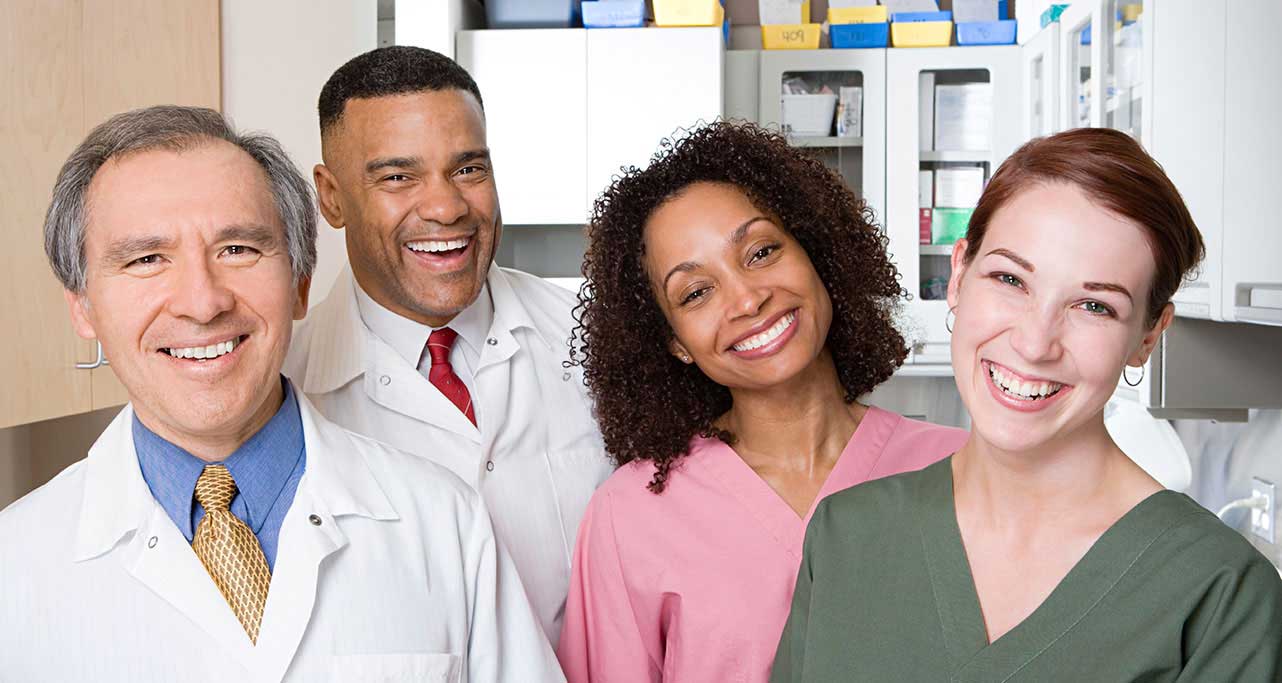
{"type": "Point", "coordinates": [1036, 335]}
{"type": "Point", "coordinates": [747, 298]}
{"type": "Point", "coordinates": [441, 202]}
{"type": "Point", "coordinates": [201, 294]}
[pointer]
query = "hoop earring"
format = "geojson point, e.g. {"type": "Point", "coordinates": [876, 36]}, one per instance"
{"type": "Point", "coordinates": [1126, 378]}
{"type": "Point", "coordinates": [949, 318]}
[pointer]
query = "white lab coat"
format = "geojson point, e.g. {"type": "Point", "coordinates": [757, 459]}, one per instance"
{"type": "Point", "coordinates": [387, 570]}
{"type": "Point", "coordinates": [538, 455]}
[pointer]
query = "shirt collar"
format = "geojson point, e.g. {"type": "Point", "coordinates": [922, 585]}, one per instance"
{"type": "Point", "coordinates": [261, 466]}
{"type": "Point", "coordinates": [408, 337]}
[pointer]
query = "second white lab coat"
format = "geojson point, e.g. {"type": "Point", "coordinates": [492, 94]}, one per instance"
{"type": "Point", "coordinates": [387, 570]}
{"type": "Point", "coordinates": [538, 455]}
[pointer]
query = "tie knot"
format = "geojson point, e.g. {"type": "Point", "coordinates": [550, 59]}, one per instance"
{"type": "Point", "coordinates": [215, 488]}
{"type": "Point", "coordinates": [439, 344]}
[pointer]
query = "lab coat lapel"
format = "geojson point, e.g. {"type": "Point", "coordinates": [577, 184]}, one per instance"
{"type": "Point", "coordinates": [118, 502]}
{"type": "Point", "coordinates": [337, 482]}
{"type": "Point", "coordinates": [395, 385]}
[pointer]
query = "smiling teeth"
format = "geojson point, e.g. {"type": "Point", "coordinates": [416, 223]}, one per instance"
{"type": "Point", "coordinates": [205, 352]}
{"type": "Point", "coordinates": [1027, 391]}
{"type": "Point", "coordinates": [432, 247]}
{"type": "Point", "coordinates": [757, 341]}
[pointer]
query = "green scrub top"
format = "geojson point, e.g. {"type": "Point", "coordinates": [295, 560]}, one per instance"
{"type": "Point", "coordinates": [885, 593]}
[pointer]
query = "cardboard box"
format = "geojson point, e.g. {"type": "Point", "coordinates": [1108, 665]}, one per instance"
{"type": "Point", "coordinates": [850, 111]}
{"type": "Point", "coordinates": [964, 117]}
{"type": "Point", "coordinates": [925, 220]}
{"type": "Point", "coordinates": [949, 225]}
{"type": "Point", "coordinates": [925, 190]}
{"type": "Point", "coordinates": [959, 187]}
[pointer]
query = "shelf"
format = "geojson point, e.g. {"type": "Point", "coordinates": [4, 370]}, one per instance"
{"type": "Point", "coordinates": [935, 249]}
{"type": "Point", "coordinates": [925, 370]}
{"type": "Point", "coordinates": [824, 141]}
{"type": "Point", "coordinates": [937, 155]}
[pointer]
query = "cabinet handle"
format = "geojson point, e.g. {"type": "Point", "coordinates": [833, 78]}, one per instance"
{"type": "Point", "coordinates": [98, 362]}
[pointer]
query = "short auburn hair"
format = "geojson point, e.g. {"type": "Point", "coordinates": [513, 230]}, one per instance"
{"type": "Point", "coordinates": [1115, 172]}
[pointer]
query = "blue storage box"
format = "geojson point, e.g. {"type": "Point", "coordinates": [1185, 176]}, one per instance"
{"type": "Point", "coordinates": [910, 17]}
{"type": "Point", "coordinates": [987, 32]}
{"type": "Point", "coordinates": [847, 36]}
{"type": "Point", "coordinates": [532, 13]}
{"type": "Point", "coordinates": [614, 14]}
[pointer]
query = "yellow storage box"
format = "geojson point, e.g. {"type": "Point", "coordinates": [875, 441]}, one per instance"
{"type": "Point", "coordinates": [790, 37]}
{"type": "Point", "coordinates": [688, 12]}
{"type": "Point", "coordinates": [877, 14]}
{"type": "Point", "coordinates": [921, 33]}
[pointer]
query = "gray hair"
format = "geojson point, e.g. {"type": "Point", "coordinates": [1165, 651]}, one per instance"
{"type": "Point", "coordinates": [176, 129]}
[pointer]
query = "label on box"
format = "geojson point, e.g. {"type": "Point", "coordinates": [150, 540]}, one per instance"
{"type": "Point", "coordinates": [924, 223]}
{"type": "Point", "coordinates": [959, 187]}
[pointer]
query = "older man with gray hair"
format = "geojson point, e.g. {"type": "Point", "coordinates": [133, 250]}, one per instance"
{"type": "Point", "coordinates": [220, 528]}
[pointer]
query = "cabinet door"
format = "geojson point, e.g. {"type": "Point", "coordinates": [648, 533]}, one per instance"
{"type": "Point", "coordinates": [140, 53]}
{"type": "Point", "coordinates": [952, 139]}
{"type": "Point", "coordinates": [1039, 59]}
{"type": "Point", "coordinates": [1080, 54]}
{"type": "Point", "coordinates": [1252, 151]}
{"type": "Point", "coordinates": [41, 120]}
{"type": "Point", "coordinates": [644, 85]}
{"type": "Point", "coordinates": [1187, 43]}
{"type": "Point", "coordinates": [859, 155]}
{"type": "Point", "coordinates": [534, 85]}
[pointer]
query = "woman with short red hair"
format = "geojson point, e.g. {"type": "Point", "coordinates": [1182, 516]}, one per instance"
{"type": "Point", "coordinates": [1039, 551]}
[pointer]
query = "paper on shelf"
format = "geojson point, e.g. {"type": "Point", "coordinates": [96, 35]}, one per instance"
{"type": "Point", "coordinates": [841, 4]}
{"type": "Point", "coordinates": [782, 12]}
{"type": "Point", "coordinates": [897, 6]}
{"type": "Point", "coordinates": [975, 10]}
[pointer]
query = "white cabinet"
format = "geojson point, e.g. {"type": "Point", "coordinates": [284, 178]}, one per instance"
{"type": "Point", "coordinates": [565, 108]}
{"type": "Point", "coordinates": [534, 84]}
{"type": "Point", "coordinates": [1079, 56]}
{"type": "Point", "coordinates": [643, 85]}
{"type": "Point", "coordinates": [1039, 59]}
{"type": "Point", "coordinates": [1252, 240]}
{"type": "Point", "coordinates": [913, 77]}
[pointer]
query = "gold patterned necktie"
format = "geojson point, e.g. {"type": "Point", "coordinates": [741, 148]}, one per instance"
{"type": "Point", "coordinates": [230, 551]}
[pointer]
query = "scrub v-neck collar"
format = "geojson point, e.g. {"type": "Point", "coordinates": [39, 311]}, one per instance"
{"type": "Point", "coordinates": [853, 466]}
{"type": "Point", "coordinates": [971, 657]}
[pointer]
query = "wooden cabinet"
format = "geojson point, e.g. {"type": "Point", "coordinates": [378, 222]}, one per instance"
{"type": "Point", "coordinates": [68, 66]}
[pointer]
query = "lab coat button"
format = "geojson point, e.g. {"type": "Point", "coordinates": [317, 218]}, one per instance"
{"type": "Point", "coordinates": [385, 380]}
{"type": "Point", "coordinates": [489, 466]}
{"type": "Point", "coordinates": [151, 542]}
{"type": "Point", "coordinates": [492, 341]}
{"type": "Point", "coordinates": [566, 377]}
{"type": "Point", "coordinates": [316, 521]}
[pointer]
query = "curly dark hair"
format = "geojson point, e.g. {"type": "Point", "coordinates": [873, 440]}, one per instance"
{"type": "Point", "coordinates": [649, 405]}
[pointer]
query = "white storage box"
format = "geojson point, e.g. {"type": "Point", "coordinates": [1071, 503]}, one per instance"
{"type": "Point", "coordinates": [808, 114]}
{"type": "Point", "coordinates": [959, 187]}
{"type": "Point", "coordinates": [964, 117]}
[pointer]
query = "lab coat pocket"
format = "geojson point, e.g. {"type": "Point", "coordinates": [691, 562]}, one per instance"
{"type": "Point", "coordinates": [396, 668]}
{"type": "Point", "coordinates": [576, 473]}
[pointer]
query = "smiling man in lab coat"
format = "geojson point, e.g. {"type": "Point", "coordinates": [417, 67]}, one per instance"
{"type": "Point", "coordinates": [423, 343]}
{"type": "Point", "coordinates": [220, 528]}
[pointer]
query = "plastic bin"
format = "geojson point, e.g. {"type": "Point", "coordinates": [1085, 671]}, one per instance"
{"type": "Point", "coordinates": [1051, 14]}
{"type": "Point", "coordinates": [532, 13]}
{"type": "Point", "coordinates": [808, 114]}
{"type": "Point", "coordinates": [847, 36]}
{"type": "Point", "coordinates": [987, 32]}
{"type": "Point", "coordinates": [614, 14]}
{"type": "Point", "coordinates": [688, 12]}
{"type": "Point", "coordinates": [877, 14]}
{"type": "Point", "coordinates": [790, 37]}
{"type": "Point", "coordinates": [921, 29]}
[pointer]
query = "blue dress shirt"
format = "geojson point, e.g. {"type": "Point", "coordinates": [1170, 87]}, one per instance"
{"type": "Point", "coordinates": [266, 469]}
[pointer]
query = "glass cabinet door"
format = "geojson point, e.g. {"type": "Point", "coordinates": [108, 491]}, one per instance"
{"type": "Point", "coordinates": [834, 103]}
{"type": "Point", "coordinates": [1041, 74]}
{"type": "Point", "coordinates": [1079, 61]}
{"type": "Point", "coordinates": [1123, 66]}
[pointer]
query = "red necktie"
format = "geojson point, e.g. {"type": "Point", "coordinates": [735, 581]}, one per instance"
{"type": "Point", "coordinates": [442, 376]}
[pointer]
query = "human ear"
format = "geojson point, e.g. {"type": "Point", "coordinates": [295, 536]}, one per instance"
{"type": "Point", "coordinates": [678, 349]}
{"type": "Point", "coordinates": [1149, 341]}
{"type": "Point", "coordinates": [958, 270]}
{"type": "Point", "coordinates": [80, 320]}
{"type": "Point", "coordinates": [327, 196]}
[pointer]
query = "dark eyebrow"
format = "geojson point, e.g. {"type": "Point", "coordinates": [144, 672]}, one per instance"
{"type": "Point", "coordinates": [735, 238]}
{"type": "Point", "coordinates": [1023, 263]}
{"type": "Point", "coordinates": [375, 165]}
{"type": "Point", "coordinates": [472, 155]}
{"type": "Point", "coordinates": [258, 235]}
{"type": "Point", "coordinates": [127, 248]}
{"type": "Point", "coordinates": [1108, 287]}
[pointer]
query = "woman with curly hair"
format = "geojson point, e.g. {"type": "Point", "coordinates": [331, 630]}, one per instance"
{"type": "Point", "coordinates": [739, 300]}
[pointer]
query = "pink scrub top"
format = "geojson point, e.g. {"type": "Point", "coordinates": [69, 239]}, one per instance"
{"type": "Point", "coordinates": [694, 584]}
